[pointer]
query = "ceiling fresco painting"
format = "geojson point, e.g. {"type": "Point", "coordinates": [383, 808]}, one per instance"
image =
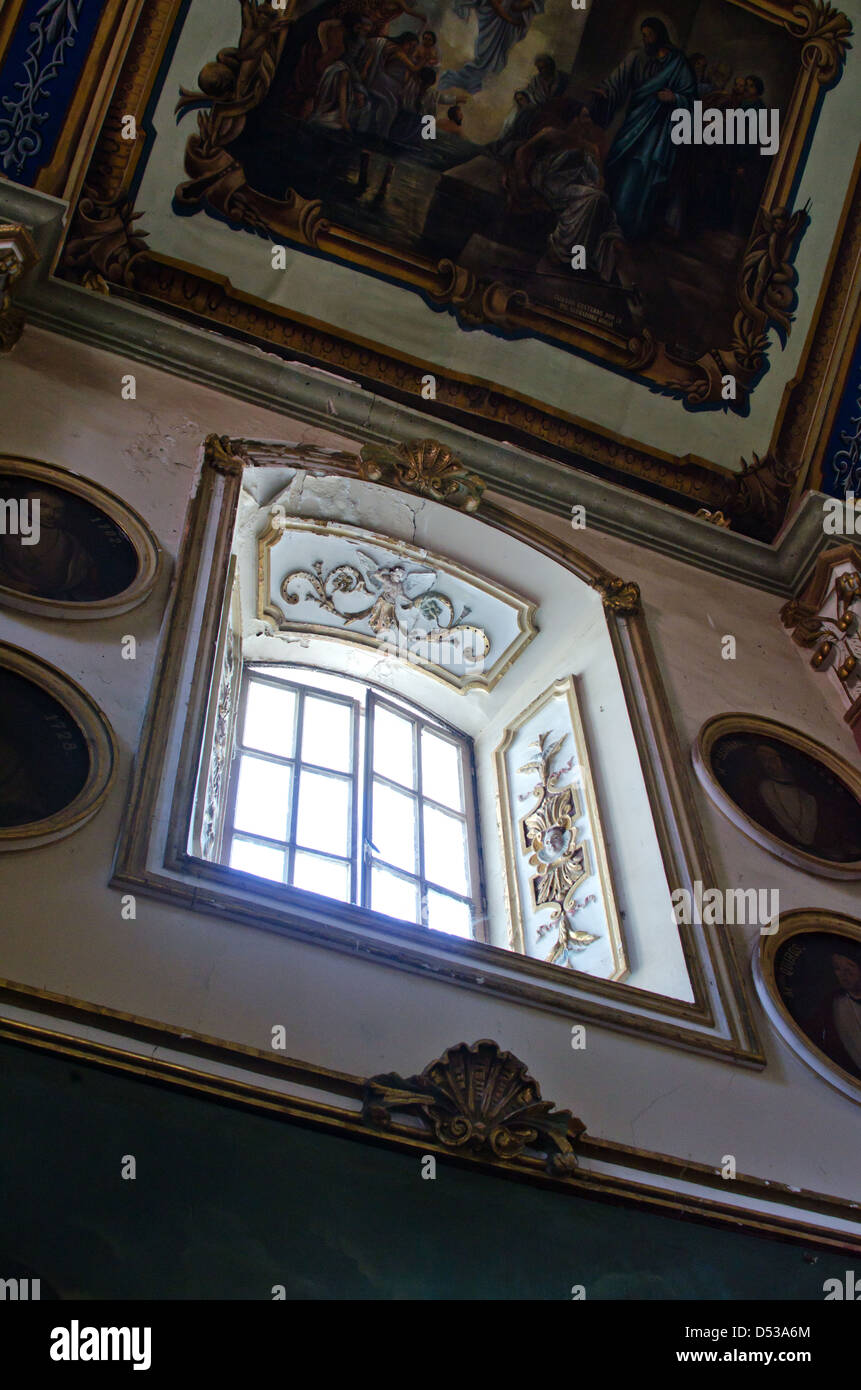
{"type": "Point", "coordinates": [495, 213]}
{"type": "Point", "coordinates": [482, 211]}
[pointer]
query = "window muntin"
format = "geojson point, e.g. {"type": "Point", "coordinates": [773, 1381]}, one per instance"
{"type": "Point", "coordinates": [419, 854]}
{"type": "Point", "coordinates": [292, 806]}
{"type": "Point", "coordinates": [362, 798]}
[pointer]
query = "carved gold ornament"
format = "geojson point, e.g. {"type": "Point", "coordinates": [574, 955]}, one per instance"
{"type": "Point", "coordinates": [825, 619]}
{"type": "Point", "coordinates": [218, 453]}
{"type": "Point", "coordinates": [549, 839]}
{"type": "Point", "coordinates": [17, 255]}
{"type": "Point", "coordinates": [620, 596]}
{"type": "Point", "coordinates": [828, 636]}
{"type": "Point", "coordinates": [482, 1099]}
{"type": "Point", "coordinates": [425, 467]}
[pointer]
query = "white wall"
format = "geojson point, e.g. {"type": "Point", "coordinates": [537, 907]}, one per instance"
{"type": "Point", "coordinates": [62, 929]}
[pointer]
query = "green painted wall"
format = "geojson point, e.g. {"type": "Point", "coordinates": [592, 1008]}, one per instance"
{"type": "Point", "coordinates": [228, 1203]}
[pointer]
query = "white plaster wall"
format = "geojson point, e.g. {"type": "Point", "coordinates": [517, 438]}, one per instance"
{"type": "Point", "coordinates": [61, 928]}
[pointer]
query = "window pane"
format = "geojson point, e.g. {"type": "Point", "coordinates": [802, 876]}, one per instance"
{"type": "Point", "coordinates": [441, 770]}
{"type": "Point", "coordinates": [331, 877]}
{"type": "Point", "coordinates": [397, 897]}
{"type": "Point", "coordinates": [257, 859]}
{"type": "Point", "coordinates": [263, 798]}
{"type": "Point", "coordinates": [445, 850]}
{"type": "Point", "coordinates": [327, 734]}
{"type": "Point", "coordinates": [393, 831]}
{"type": "Point", "coordinates": [324, 813]}
{"type": "Point", "coordinates": [449, 915]}
{"type": "Point", "coordinates": [270, 720]}
{"type": "Point", "coordinates": [393, 747]}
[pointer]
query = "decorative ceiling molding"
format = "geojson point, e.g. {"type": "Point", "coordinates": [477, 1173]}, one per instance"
{"type": "Point", "coordinates": [307, 393]}
{"type": "Point", "coordinates": [479, 1098]}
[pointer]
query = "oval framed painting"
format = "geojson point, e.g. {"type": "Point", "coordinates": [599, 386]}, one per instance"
{"type": "Point", "coordinates": [792, 795]}
{"type": "Point", "coordinates": [68, 547]}
{"type": "Point", "coordinates": [808, 978]}
{"type": "Point", "coordinates": [58, 753]}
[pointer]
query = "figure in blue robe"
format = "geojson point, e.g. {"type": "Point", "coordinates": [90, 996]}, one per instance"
{"type": "Point", "coordinates": [501, 24]}
{"type": "Point", "coordinates": [654, 83]}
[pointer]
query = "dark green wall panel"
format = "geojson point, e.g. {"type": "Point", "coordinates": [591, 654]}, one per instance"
{"type": "Point", "coordinates": [229, 1202]}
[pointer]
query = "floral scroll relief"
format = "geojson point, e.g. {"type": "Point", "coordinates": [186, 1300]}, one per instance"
{"type": "Point", "coordinates": [399, 602]}
{"type": "Point", "coordinates": [549, 839]}
{"type": "Point", "coordinates": [54, 30]}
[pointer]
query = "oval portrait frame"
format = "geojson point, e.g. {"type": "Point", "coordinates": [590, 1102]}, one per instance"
{"type": "Point", "coordinates": [100, 742]}
{"type": "Point", "coordinates": [147, 550]}
{"type": "Point", "coordinates": [701, 754]}
{"type": "Point", "coordinates": [801, 922]}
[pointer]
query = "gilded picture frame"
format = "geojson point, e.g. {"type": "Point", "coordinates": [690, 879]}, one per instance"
{"type": "Point", "coordinates": [80, 727]}
{"type": "Point", "coordinates": [95, 527]}
{"type": "Point", "coordinates": [106, 251]}
{"type": "Point", "coordinates": [781, 788]}
{"type": "Point", "coordinates": [764, 299]}
{"type": "Point", "coordinates": [807, 1015]}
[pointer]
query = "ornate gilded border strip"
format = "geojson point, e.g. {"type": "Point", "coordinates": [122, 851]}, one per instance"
{"type": "Point", "coordinates": [565, 687]}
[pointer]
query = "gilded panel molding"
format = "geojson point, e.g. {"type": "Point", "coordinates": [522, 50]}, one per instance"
{"type": "Point", "coordinates": [399, 599]}
{"type": "Point", "coordinates": [561, 857]}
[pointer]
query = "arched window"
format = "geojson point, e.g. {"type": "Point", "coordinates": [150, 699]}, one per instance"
{"type": "Point", "coordinates": [343, 789]}
{"type": "Point", "coordinates": [386, 727]}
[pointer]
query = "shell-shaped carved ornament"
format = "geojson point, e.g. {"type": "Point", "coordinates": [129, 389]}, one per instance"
{"type": "Point", "coordinates": [478, 1097]}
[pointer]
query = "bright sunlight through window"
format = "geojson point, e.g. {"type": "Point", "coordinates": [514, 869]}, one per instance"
{"type": "Point", "coordinates": [364, 798]}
